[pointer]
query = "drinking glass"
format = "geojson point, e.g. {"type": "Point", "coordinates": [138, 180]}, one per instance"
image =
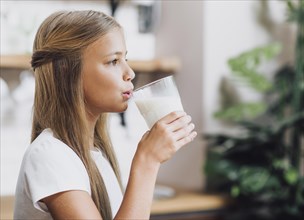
{"type": "Point", "coordinates": [157, 99]}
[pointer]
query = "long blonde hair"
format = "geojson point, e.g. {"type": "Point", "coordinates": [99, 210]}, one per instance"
{"type": "Point", "coordinates": [59, 102]}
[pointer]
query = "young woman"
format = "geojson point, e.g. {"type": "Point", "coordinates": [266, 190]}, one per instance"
{"type": "Point", "coordinates": [70, 171]}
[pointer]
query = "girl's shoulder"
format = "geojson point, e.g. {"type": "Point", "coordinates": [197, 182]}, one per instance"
{"type": "Point", "coordinates": [49, 152]}
{"type": "Point", "coordinates": [49, 166]}
{"type": "Point", "coordinates": [46, 145]}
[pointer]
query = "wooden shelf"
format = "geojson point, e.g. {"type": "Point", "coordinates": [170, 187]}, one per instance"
{"type": "Point", "coordinates": [187, 202]}
{"type": "Point", "coordinates": [162, 65]}
{"type": "Point", "coordinates": [15, 61]}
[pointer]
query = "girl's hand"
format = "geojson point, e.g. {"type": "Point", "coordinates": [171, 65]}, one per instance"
{"type": "Point", "coordinates": [166, 137]}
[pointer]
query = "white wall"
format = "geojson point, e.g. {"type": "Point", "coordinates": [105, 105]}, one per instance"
{"type": "Point", "coordinates": [180, 34]}
{"type": "Point", "coordinates": [230, 28]}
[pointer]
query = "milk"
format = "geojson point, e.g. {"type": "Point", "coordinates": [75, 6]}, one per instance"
{"type": "Point", "coordinates": [154, 108]}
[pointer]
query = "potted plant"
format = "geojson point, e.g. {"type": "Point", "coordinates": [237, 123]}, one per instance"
{"type": "Point", "coordinates": [260, 166]}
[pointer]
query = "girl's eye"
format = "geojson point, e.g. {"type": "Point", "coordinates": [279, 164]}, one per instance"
{"type": "Point", "coordinates": [114, 62]}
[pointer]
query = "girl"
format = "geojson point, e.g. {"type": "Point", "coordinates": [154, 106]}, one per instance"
{"type": "Point", "coordinates": [70, 171]}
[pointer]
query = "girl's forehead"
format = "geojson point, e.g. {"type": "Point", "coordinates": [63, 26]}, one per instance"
{"type": "Point", "coordinates": [113, 41]}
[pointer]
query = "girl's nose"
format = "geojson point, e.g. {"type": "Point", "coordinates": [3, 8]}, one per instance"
{"type": "Point", "coordinates": [129, 73]}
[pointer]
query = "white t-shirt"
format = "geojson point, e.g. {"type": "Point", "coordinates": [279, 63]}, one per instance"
{"type": "Point", "coordinates": [49, 166]}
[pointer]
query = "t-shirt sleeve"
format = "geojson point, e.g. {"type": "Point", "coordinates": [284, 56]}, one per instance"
{"type": "Point", "coordinates": [53, 167]}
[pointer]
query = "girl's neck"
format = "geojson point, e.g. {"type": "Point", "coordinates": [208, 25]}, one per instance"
{"type": "Point", "coordinates": [91, 126]}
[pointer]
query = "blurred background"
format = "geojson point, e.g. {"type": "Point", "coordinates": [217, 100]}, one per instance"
{"type": "Point", "coordinates": [227, 58]}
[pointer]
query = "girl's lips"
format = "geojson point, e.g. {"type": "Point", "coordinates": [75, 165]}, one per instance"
{"type": "Point", "coordinates": [127, 94]}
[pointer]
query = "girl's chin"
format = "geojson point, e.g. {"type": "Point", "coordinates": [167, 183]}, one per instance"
{"type": "Point", "coordinates": [122, 109]}
{"type": "Point", "coordinates": [117, 109]}
{"type": "Point", "coordinates": [125, 108]}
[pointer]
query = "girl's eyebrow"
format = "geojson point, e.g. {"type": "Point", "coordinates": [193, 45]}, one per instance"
{"type": "Point", "coordinates": [116, 53]}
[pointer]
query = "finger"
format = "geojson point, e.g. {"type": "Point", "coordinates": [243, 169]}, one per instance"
{"type": "Point", "coordinates": [180, 123]}
{"type": "Point", "coordinates": [172, 116]}
{"type": "Point", "coordinates": [184, 132]}
{"type": "Point", "coordinates": [186, 140]}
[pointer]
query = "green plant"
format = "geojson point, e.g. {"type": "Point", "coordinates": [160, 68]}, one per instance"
{"type": "Point", "coordinates": [255, 167]}
{"type": "Point", "coordinates": [245, 72]}
{"type": "Point", "coordinates": [260, 166]}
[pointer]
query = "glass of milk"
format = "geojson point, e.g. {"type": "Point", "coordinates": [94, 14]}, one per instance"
{"type": "Point", "coordinates": [157, 99]}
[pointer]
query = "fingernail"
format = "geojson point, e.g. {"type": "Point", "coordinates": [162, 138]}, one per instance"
{"type": "Point", "coordinates": [195, 134]}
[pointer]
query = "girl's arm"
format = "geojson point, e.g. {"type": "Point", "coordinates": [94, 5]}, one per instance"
{"type": "Point", "coordinates": [157, 146]}
{"type": "Point", "coordinates": [74, 204]}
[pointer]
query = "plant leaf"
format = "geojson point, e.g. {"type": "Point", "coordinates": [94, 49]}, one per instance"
{"type": "Point", "coordinates": [245, 65]}
{"type": "Point", "coordinates": [241, 111]}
